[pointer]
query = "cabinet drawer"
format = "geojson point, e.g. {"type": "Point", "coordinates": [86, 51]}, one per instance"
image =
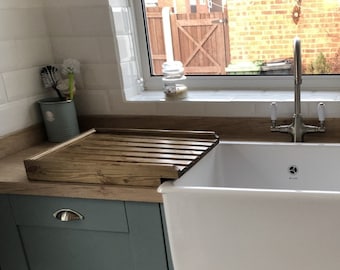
{"type": "Point", "coordinates": [97, 214]}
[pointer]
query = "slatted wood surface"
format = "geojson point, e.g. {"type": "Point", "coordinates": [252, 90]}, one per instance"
{"type": "Point", "coordinates": [135, 157]}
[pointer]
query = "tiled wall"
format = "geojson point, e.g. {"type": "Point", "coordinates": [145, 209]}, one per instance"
{"type": "Point", "coordinates": [39, 32]}
{"type": "Point", "coordinates": [124, 24]}
{"type": "Point", "coordinates": [82, 29]}
{"type": "Point", "coordinates": [99, 34]}
{"type": "Point", "coordinates": [24, 45]}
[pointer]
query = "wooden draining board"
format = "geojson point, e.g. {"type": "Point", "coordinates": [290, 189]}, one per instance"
{"type": "Point", "coordinates": [137, 157]}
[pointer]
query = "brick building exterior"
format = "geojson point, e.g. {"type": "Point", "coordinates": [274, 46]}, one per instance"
{"type": "Point", "coordinates": [259, 29]}
{"type": "Point", "coordinates": [264, 29]}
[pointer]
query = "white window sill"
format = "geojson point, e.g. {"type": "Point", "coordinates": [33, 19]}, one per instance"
{"type": "Point", "coordinates": [240, 103]}
{"type": "Point", "coordinates": [241, 96]}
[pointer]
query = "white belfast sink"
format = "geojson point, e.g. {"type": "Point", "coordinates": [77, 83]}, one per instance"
{"type": "Point", "coordinates": [257, 206]}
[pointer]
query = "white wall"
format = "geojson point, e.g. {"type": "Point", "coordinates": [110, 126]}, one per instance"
{"type": "Point", "coordinates": [24, 46]}
{"type": "Point", "coordinates": [98, 34]}
{"type": "Point", "coordinates": [34, 33]}
{"type": "Point", "coordinates": [40, 32]}
{"type": "Point", "coordinates": [82, 29]}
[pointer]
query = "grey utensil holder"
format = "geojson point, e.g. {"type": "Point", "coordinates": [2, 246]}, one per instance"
{"type": "Point", "coordinates": [60, 119]}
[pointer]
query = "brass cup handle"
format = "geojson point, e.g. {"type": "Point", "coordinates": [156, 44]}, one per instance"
{"type": "Point", "coordinates": [66, 215]}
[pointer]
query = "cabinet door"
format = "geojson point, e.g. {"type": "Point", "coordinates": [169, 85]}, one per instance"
{"type": "Point", "coordinates": [113, 235]}
{"type": "Point", "coordinates": [11, 252]}
{"type": "Point", "coordinates": [166, 238]}
{"type": "Point", "coordinates": [99, 241]}
{"type": "Point", "coordinates": [146, 236]}
{"type": "Point", "coordinates": [68, 249]}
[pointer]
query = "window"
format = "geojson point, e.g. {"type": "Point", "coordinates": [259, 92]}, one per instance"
{"type": "Point", "coordinates": [241, 45]}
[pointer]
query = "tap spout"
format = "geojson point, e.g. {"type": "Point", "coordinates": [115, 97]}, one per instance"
{"type": "Point", "coordinates": [297, 128]}
{"type": "Point", "coordinates": [297, 75]}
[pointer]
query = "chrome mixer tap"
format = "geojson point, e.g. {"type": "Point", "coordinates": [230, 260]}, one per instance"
{"type": "Point", "coordinates": [297, 128]}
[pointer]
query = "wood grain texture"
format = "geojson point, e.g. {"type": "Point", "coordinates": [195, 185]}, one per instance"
{"type": "Point", "coordinates": [93, 157]}
{"type": "Point", "coordinates": [13, 180]}
{"type": "Point", "coordinates": [20, 140]}
{"type": "Point", "coordinates": [228, 128]}
{"type": "Point", "coordinates": [82, 190]}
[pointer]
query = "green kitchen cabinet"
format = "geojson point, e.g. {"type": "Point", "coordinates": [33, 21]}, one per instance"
{"type": "Point", "coordinates": [71, 234]}
{"type": "Point", "coordinates": [11, 253]}
{"type": "Point", "coordinates": [166, 239]}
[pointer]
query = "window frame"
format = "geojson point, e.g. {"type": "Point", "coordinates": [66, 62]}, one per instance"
{"type": "Point", "coordinates": [223, 82]}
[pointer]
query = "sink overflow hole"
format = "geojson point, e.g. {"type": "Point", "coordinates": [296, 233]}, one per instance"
{"type": "Point", "coordinates": [293, 170]}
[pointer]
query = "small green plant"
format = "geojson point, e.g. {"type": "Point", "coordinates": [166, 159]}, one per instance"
{"type": "Point", "coordinates": [335, 62]}
{"type": "Point", "coordinates": [70, 67]}
{"type": "Point", "coordinates": [319, 66]}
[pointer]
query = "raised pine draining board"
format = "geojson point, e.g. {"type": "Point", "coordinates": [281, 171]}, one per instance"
{"type": "Point", "coordinates": [136, 157]}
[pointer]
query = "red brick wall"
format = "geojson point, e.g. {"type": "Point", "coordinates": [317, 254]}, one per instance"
{"type": "Point", "coordinates": [262, 23]}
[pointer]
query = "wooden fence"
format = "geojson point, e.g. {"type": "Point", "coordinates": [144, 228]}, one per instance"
{"type": "Point", "coordinates": [199, 40]}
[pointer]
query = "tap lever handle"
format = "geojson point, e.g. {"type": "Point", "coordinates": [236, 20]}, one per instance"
{"type": "Point", "coordinates": [273, 111]}
{"type": "Point", "coordinates": [321, 112]}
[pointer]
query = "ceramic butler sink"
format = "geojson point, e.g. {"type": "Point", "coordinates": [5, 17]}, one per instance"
{"type": "Point", "coordinates": [258, 206]}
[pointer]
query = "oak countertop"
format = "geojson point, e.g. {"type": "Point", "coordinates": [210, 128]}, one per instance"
{"type": "Point", "coordinates": [13, 180]}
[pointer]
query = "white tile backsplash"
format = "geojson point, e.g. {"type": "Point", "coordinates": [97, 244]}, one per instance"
{"type": "Point", "coordinates": [107, 50]}
{"type": "Point", "coordinates": [58, 20]}
{"type": "Point", "coordinates": [25, 53]}
{"type": "Point", "coordinates": [101, 76]}
{"type": "Point", "coordinates": [130, 74]}
{"type": "Point", "coordinates": [129, 92]}
{"type": "Point", "coordinates": [125, 47]}
{"type": "Point", "coordinates": [180, 108]}
{"type": "Point", "coordinates": [34, 52]}
{"type": "Point", "coordinates": [77, 3]}
{"type": "Point", "coordinates": [3, 96]}
{"type": "Point", "coordinates": [8, 17]}
{"type": "Point", "coordinates": [121, 20]}
{"type": "Point", "coordinates": [285, 109]}
{"type": "Point", "coordinates": [24, 47]}
{"type": "Point", "coordinates": [84, 49]}
{"type": "Point", "coordinates": [21, 3]}
{"type": "Point", "coordinates": [332, 109]}
{"type": "Point", "coordinates": [230, 109]}
{"type": "Point", "coordinates": [40, 32]}
{"type": "Point", "coordinates": [91, 21]}
{"type": "Point", "coordinates": [119, 3]}
{"type": "Point", "coordinates": [8, 55]}
{"type": "Point", "coordinates": [23, 83]}
{"type": "Point", "coordinates": [22, 23]}
{"type": "Point", "coordinates": [19, 114]}
{"type": "Point", "coordinates": [31, 23]}
{"type": "Point", "coordinates": [94, 102]}
{"type": "Point", "coordinates": [132, 108]}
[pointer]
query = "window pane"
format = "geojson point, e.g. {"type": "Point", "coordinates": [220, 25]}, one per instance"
{"type": "Point", "coordinates": [238, 37]}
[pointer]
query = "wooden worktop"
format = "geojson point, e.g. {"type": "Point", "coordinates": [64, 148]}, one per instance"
{"type": "Point", "coordinates": [127, 157]}
{"type": "Point", "coordinates": [13, 178]}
